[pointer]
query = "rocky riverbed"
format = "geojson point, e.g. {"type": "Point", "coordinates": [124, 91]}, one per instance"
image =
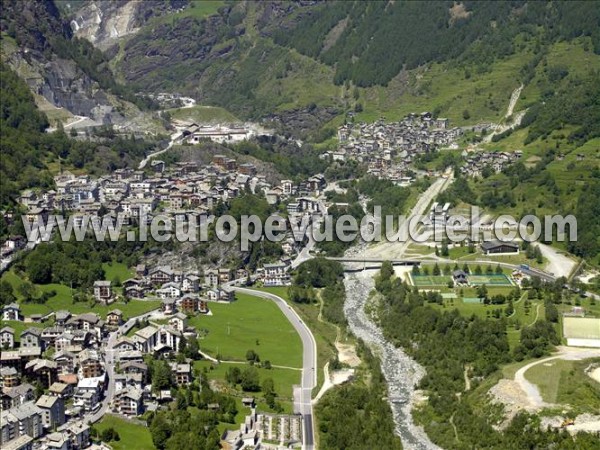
{"type": "Point", "coordinates": [401, 372]}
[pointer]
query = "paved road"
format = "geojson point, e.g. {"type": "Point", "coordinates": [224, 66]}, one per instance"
{"type": "Point", "coordinates": [395, 250]}
{"type": "Point", "coordinates": [109, 364]}
{"type": "Point", "coordinates": [174, 138]}
{"type": "Point", "coordinates": [303, 403]}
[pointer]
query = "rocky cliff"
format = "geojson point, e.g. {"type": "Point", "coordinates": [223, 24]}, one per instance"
{"type": "Point", "coordinates": [106, 23]}
{"type": "Point", "coordinates": [66, 75]}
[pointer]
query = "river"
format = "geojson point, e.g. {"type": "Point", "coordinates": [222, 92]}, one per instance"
{"type": "Point", "coordinates": [401, 372]}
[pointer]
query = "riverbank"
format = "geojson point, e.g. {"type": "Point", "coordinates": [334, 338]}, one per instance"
{"type": "Point", "coordinates": [402, 373]}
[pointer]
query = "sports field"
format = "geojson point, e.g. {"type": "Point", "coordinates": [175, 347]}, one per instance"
{"type": "Point", "coordinates": [430, 280]}
{"type": "Point", "coordinates": [581, 327]}
{"type": "Point", "coordinates": [490, 280]}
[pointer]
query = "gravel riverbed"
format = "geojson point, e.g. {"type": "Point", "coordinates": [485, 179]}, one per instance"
{"type": "Point", "coordinates": [401, 372]}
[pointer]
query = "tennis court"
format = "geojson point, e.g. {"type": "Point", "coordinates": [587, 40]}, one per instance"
{"type": "Point", "coordinates": [430, 280]}
{"type": "Point", "coordinates": [490, 280]}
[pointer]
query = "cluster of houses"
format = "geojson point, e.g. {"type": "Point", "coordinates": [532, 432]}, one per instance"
{"type": "Point", "coordinates": [388, 148]}
{"type": "Point", "coordinates": [185, 189]}
{"type": "Point", "coordinates": [189, 290]}
{"type": "Point", "coordinates": [476, 162]}
{"type": "Point", "coordinates": [65, 373]}
{"type": "Point", "coordinates": [66, 360]}
{"type": "Point", "coordinates": [265, 431]}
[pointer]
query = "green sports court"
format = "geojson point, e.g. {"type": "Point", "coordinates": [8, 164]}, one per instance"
{"type": "Point", "coordinates": [490, 280]}
{"type": "Point", "coordinates": [430, 280]}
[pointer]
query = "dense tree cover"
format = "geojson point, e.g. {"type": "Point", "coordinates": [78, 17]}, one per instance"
{"type": "Point", "coordinates": [588, 222]}
{"type": "Point", "coordinates": [384, 193]}
{"type": "Point", "coordinates": [79, 264]}
{"type": "Point", "coordinates": [190, 425]}
{"type": "Point", "coordinates": [289, 160]}
{"type": "Point", "coordinates": [458, 191]}
{"type": "Point", "coordinates": [336, 246]}
{"type": "Point", "coordinates": [577, 102]}
{"type": "Point", "coordinates": [355, 416]}
{"type": "Point", "coordinates": [447, 345]}
{"type": "Point", "coordinates": [21, 165]}
{"type": "Point", "coordinates": [536, 340]}
{"type": "Point", "coordinates": [26, 147]}
{"type": "Point", "coordinates": [326, 275]}
{"type": "Point", "coordinates": [381, 38]}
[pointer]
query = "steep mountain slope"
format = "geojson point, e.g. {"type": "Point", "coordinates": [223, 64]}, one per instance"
{"type": "Point", "coordinates": [66, 75]}
{"type": "Point", "coordinates": [462, 60]}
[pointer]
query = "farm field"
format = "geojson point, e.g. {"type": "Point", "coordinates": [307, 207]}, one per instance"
{"type": "Point", "coordinates": [249, 323]}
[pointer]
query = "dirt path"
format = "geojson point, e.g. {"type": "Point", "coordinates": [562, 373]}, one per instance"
{"type": "Point", "coordinates": [514, 98]}
{"type": "Point", "coordinates": [516, 119]}
{"type": "Point", "coordinates": [558, 263]}
{"type": "Point", "coordinates": [533, 397]}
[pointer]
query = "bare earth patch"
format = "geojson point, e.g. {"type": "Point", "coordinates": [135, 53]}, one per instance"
{"type": "Point", "coordinates": [457, 12]}
{"type": "Point", "coordinates": [520, 394]}
{"type": "Point", "coordinates": [347, 354]}
{"type": "Point", "coordinates": [595, 374]}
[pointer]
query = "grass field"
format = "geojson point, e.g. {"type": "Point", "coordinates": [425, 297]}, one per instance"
{"type": "Point", "coordinates": [565, 382]}
{"type": "Point", "coordinates": [581, 327]}
{"type": "Point", "coordinates": [197, 9]}
{"type": "Point", "coordinates": [325, 333]}
{"type": "Point", "coordinates": [249, 323]}
{"type": "Point", "coordinates": [115, 270]}
{"type": "Point", "coordinates": [64, 300]}
{"type": "Point", "coordinates": [133, 435]}
{"type": "Point", "coordinates": [284, 379]}
{"type": "Point", "coordinates": [204, 114]}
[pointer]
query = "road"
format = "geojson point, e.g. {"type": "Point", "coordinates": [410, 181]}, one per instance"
{"type": "Point", "coordinates": [303, 404]}
{"type": "Point", "coordinates": [534, 397]}
{"type": "Point", "coordinates": [174, 138]}
{"type": "Point", "coordinates": [395, 250]}
{"type": "Point", "coordinates": [516, 120]}
{"type": "Point", "coordinates": [304, 254]}
{"type": "Point", "coordinates": [109, 365]}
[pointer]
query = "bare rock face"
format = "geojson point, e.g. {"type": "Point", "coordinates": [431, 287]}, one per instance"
{"type": "Point", "coordinates": [104, 23]}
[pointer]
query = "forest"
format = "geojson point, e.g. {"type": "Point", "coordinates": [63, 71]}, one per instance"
{"type": "Point", "coordinates": [27, 148]}
{"type": "Point", "coordinates": [445, 343]}
{"type": "Point", "coordinates": [355, 416]}
{"type": "Point", "coordinates": [328, 277]}
{"type": "Point", "coordinates": [381, 38]}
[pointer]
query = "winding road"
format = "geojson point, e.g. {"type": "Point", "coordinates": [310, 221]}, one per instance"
{"type": "Point", "coordinates": [303, 395]}
{"type": "Point", "coordinates": [175, 137]}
